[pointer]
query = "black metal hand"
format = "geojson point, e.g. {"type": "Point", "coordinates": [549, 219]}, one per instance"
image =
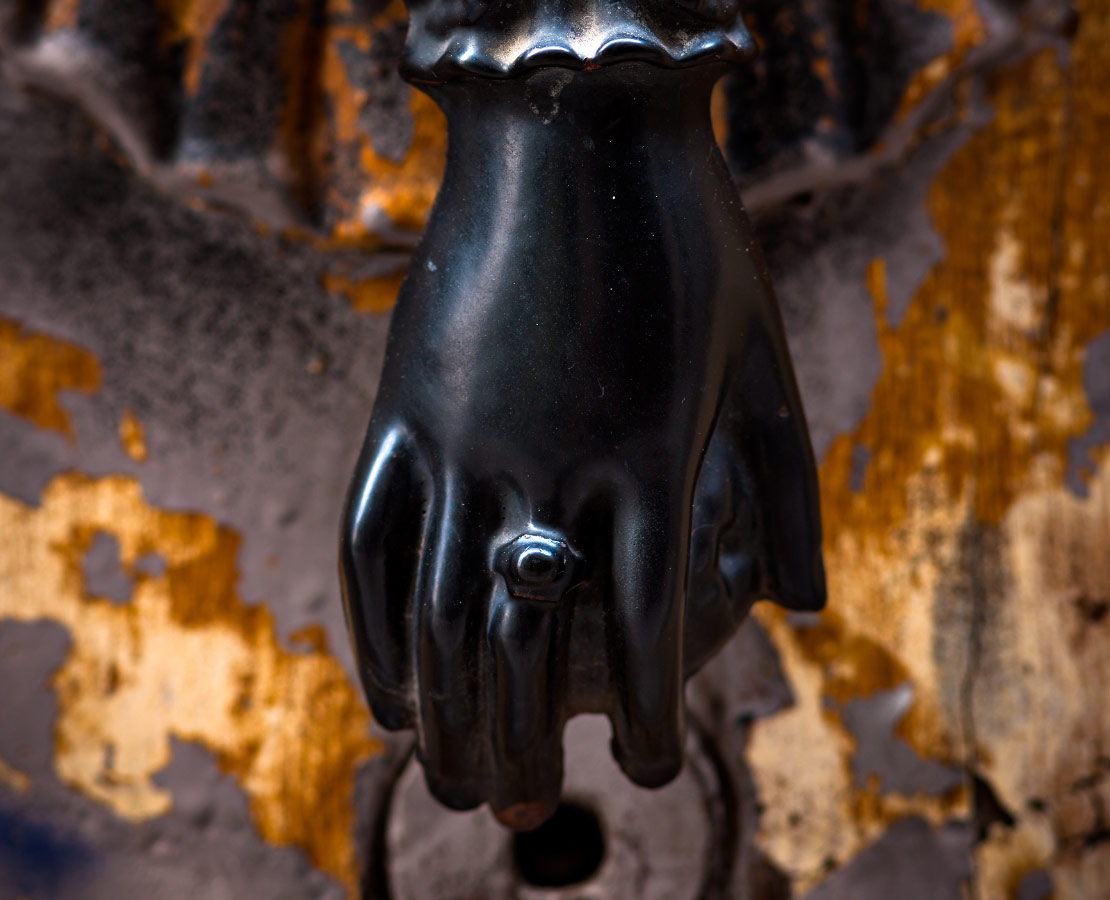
{"type": "Point", "coordinates": [587, 457]}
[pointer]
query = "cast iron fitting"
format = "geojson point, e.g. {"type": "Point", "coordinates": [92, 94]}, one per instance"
{"type": "Point", "coordinates": [587, 457]}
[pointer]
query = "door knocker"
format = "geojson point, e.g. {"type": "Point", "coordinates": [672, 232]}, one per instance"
{"type": "Point", "coordinates": [588, 456]}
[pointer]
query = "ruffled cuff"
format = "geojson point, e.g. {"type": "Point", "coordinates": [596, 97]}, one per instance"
{"type": "Point", "coordinates": [450, 39]}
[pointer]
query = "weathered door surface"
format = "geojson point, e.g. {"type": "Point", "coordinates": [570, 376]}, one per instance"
{"type": "Point", "coordinates": [206, 209]}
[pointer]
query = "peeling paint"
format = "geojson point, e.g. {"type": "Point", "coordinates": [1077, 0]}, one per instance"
{"type": "Point", "coordinates": [403, 191]}
{"type": "Point", "coordinates": [373, 295]}
{"type": "Point", "coordinates": [1040, 704]}
{"type": "Point", "coordinates": [961, 562]}
{"type": "Point", "coordinates": [191, 22]}
{"type": "Point", "coordinates": [35, 368]}
{"type": "Point", "coordinates": [185, 657]}
{"type": "Point", "coordinates": [968, 31]}
{"type": "Point", "coordinates": [132, 436]}
{"type": "Point", "coordinates": [13, 779]}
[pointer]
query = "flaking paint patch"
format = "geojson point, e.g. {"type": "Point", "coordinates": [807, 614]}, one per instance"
{"type": "Point", "coordinates": [967, 434]}
{"type": "Point", "coordinates": [190, 24]}
{"type": "Point", "coordinates": [968, 30]}
{"type": "Point", "coordinates": [35, 368]}
{"type": "Point", "coordinates": [132, 436]}
{"type": "Point", "coordinates": [1008, 855]}
{"type": "Point", "coordinates": [371, 201]}
{"type": "Point", "coordinates": [1015, 302]}
{"type": "Point", "coordinates": [403, 191]}
{"type": "Point", "coordinates": [14, 779]}
{"type": "Point", "coordinates": [1041, 705]}
{"type": "Point", "coordinates": [815, 817]}
{"type": "Point", "coordinates": [186, 657]}
{"type": "Point", "coordinates": [368, 295]}
{"type": "Point", "coordinates": [805, 818]}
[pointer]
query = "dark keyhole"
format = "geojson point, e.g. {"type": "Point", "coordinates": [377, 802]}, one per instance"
{"type": "Point", "coordinates": [566, 849]}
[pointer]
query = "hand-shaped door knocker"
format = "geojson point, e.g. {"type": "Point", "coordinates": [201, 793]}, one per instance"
{"type": "Point", "coordinates": [588, 456]}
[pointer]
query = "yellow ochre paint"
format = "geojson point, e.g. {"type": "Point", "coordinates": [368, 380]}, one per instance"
{"type": "Point", "coordinates": [968, 431]}
{"type": "Point", "coordinates": [34, 368]}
